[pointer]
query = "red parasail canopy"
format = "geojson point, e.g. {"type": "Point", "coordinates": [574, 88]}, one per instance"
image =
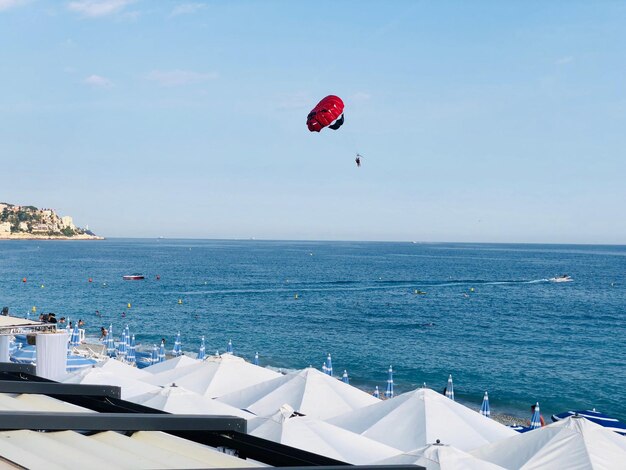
{"type": "Point", "coordinates": [326, 111]}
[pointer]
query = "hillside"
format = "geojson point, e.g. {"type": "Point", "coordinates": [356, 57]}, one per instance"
{"type": "Point", "coordinates": [27, 222]}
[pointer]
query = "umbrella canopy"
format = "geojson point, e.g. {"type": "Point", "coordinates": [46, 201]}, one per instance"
{"type": "Point", "coordinates": [594, 416]}
{"type": "Point", "coordinates": [114, 366]}
{"type": "Point", "coordinates": [319, 437]}
{"type": "Point", "coordinates": [97, 376]}
{"type": "Point", "coordinates": [215, 376]}
{"type": "Point", "coordinates": [389, 390]}
{"type": "Point", "coordinates": [171, 364]}
{"type": "Point", "coordinates": [161, 353]}
{"type": "Point", "coordinates": [308, 391]}
{"type": "Point", "coordinates": [440, 457]}
{"type": "Point", "coordinates": [130, 357]}
{"type": "Point", "coordinates": [420, 417]}
{"type": "Point", "coordinates": [450, 388]}
{"type": "Point", "coordinates": [110, 342]}
{"type": "Point", "coordinates": [535, 420]}
{"type": "Point", "coordinates": [179, 400]}
{"type": "Point", "coordinates": [344, 378]}
{"type": "Point", "coordinates": [574, 443]}
{"type": "Point", "coordinates": [202, 350]}
{"type": "Point", "coordinates": [484, 408]}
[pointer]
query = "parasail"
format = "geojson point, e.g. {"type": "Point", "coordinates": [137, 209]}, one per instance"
{"type": "Point", "coordinates": [327, 113]}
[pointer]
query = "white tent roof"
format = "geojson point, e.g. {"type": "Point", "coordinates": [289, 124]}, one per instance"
{"type": "Point", "coordinates": [170, 364]}
{"type": "Point", "coordinates": [308, 391]}
{"type": "Point", "coordinates": [215, 376]}
{"type": "Point", "coordinates": [97, 376]}
{"type": "Point", "coordinates": [440, 457]}
{"type": "Point", "coordinates": [319, 437]}
{"type": "Point", "coordinates": [573, 443]}
{"type": "Point", "coordinates": [174, 399]}
{"type": "Point", "coordinates": [420, 417]}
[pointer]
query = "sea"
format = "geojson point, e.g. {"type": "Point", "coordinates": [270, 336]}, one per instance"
{"type": "Point", "coordinates": [487, 314]}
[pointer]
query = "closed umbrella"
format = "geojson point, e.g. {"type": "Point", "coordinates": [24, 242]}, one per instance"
{"type": "Point", "coordinates": [75, 338]}
{"type": "Point", "coordinates": [329, 365]}
{"type": "Point", "coordinates": [389, 391]}
{"type": "Point", "coordinates": [110, 342]}
{"type": "Point", "coordinates": [161, 354]}
{"type": "Point", "coordinates": [450, 388]}
{"type": "Point", "coordinates": [484, 408]}
{"type": "Point", "coordinates": [535, 420]}
{"type": "Point", "coordinates": [155, 355]}
{"type": "Point", "coordinates": [376, 392]}
{"type": "Point", "coordinates": [202, 350]}
{"type": "Point", "coordinates": [256, 359]}
{"type": "Point", "coordinates": [177, 350]}
{"type": "Point", "coordinates": [345, 378]}
{"type": "Point", "coordinates": [127, 339]}
{"type": "Point", "coordinates": [121, 346]}
{"type": "Point", "coordinates": [229, 348]}
{"type": "Point", "coordinates": [130, 357]}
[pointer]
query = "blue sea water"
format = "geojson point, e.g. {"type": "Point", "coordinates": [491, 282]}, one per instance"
{"type": "Point", "coordinates": [517, 335]}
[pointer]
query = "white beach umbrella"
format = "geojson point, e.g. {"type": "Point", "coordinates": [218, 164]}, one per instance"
{"type": "Point", "coordinates": [574, 443]}
{"type": "Point", "coordinates": [170, 364]}
{"type": "Point", "coordinates": [319, 437]}
{"type": "Point", "coordinates": [440, 457]}
{"type": "Point", "coordinates": [420, 417]}
{"type": "Point", "coordinates": [215, 376]}
{"type": "Point", "coordinates": [97, 376]}
{"type": "Point", "coordinates": [174, 399]}
{"type": "Point", "coordinates": [308, 391]}
{"type": "Point", "coordinates": [120, 368]}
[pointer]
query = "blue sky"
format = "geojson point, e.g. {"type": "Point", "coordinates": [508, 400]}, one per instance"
{"type": "Point", "coordinates": [478, 121]}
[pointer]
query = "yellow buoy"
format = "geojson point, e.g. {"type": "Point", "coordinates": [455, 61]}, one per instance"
{"type": "Point", "coordinates": [128, 304]}
{"type": "Point", "coordinates": [42, 286]}
{"type": "Point", "coordinates": [34, 309]}
{"type": "Point", "coordinates": [180, 301]}
{"type": "Point", "coordinates": [471, 289]}
{"type": "Point", "coordinates": [295, 296]}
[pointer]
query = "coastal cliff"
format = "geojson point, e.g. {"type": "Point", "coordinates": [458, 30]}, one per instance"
{"type": "Point", "coordinates": [29, 222]}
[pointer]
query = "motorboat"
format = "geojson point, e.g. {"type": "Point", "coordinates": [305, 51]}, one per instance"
{"type": "Point", "coordinates": [561, 278]}
{"type": "Point", "coordinates": [133, 277]}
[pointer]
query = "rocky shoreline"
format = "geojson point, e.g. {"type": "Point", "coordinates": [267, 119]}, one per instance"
{"type": "Point", "coordinates": [30, 236]}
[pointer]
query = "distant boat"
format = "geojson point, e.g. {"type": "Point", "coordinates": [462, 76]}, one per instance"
{"type": "Point", "coordinates": [133, 277]}
{"type": "Point", "coordinates": [561, 278]}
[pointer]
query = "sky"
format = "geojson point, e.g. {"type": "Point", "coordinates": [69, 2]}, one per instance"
{"type": "Point", "coordinates": [477, 121]}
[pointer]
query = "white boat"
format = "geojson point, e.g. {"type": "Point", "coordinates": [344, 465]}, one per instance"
{"type": "Point", "coordinates": [561, 278]}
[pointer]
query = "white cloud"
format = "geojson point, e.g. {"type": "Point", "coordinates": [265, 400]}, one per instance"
{"type": "Point", "coordinates": [95, 8]}
{"type": "Point", "coordinates": [179, 77]}
{"type": "Point", "coordinates": [187, 8]}
{"type": "Point", "coordinates": [97, 81]}
{"type": "Point", "coordinates": [6, 4]}
{"type": "Point", "coordinates": [564, 60]}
